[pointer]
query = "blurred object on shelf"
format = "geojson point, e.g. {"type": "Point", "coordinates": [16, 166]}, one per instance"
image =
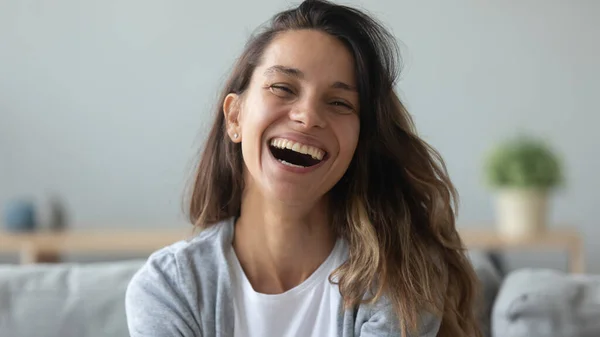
{"type": "Point", "coordinates": [523, 172]}
{"type": "Point", "coordinates": [58, 214]}
{"type": "Point", "coordinates": [19, 216]}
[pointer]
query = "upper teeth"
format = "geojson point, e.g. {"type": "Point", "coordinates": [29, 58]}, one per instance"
{"type": "Point", "coordinates": [312, 151]}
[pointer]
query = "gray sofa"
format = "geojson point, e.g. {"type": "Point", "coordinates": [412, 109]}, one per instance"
{"type": "Point", "coordinates": [64, 300]}
{"type": "Point", "coordinates": [87, 300]}
{"type": "Point", "coordinates": [540, 303]}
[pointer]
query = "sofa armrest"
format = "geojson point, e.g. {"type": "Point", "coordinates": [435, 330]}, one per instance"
{"type": "Point", "coordinates": [547, 303]}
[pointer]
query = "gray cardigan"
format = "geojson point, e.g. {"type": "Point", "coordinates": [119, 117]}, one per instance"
{"type": "Point", "coordinates": [183, 290]}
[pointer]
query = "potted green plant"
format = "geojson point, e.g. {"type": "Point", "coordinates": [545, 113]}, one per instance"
{"type": "Point", "coordinates": [523, 171]}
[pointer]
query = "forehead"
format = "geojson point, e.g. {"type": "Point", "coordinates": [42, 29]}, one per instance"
{"type": "Point", "coordinates": [318, 55]}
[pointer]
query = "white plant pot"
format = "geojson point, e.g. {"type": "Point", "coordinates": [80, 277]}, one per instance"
{"type": "Point", "coordinates": [521, 213]}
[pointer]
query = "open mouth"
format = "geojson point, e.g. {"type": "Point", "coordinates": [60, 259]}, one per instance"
{"type": "Point", "coordinates": [295, 154]}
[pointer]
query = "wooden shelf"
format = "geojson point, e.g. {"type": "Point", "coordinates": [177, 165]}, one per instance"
{"type": "Point", "coordinates": [567, 239]}
{"type": "Point", "coordinates": [46, 247]}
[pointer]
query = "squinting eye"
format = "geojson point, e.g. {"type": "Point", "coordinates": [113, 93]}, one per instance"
{"type": "Point", "coordinates": [342, 104]}
{"type": "Point", "coordinates": [281, 89]}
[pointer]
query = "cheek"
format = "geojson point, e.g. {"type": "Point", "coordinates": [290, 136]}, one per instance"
{"type": "Point", "coordinates": [348, 136]}
{"type": "Point", "coordinates": [259, 113]}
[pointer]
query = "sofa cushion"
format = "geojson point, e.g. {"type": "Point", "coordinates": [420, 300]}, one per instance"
{"type": "Point", "coordinates": [65, 300]}
{"type": "Point", "coordinates": [547, 303]}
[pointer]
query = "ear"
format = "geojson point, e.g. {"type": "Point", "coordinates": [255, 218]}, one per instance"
{"type": "Point", "coordinates": [231, 110]}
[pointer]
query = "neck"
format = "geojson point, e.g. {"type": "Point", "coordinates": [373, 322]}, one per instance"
{"type": "Point", "coordinates": [278, 245]}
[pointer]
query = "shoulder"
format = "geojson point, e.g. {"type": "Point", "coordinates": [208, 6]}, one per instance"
{"type": "Point", "coordinates": [164, 297]}
{"type": "Point", "coordinates": [184, 260]}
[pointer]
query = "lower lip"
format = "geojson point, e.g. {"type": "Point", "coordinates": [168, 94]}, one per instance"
{"type": "Point", "coordinates": [294, 169]}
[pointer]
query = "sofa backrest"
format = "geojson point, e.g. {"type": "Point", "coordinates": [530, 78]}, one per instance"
{"type": "Point", "coordinates": [65, 300]}
{"type": "Point", "coordinates": [73, 300]}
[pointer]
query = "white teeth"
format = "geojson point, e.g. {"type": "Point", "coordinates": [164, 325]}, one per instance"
{"type": "Point", "coordinates": [290, 164]}
{"type": "Point", "coordinates": [312, 151]}
{"type": "Point", "coordinates": [304, 149]}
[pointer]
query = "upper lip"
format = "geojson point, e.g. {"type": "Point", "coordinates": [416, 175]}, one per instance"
{"type": "Point", "coordinates": [303, 139]}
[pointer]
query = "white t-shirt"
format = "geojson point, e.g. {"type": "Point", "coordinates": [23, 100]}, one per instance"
{"type": "Point", "coordinates": [310, 309]}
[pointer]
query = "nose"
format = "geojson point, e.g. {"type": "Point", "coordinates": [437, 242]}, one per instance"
{"type": "Point", "coordinates": [308, 114]}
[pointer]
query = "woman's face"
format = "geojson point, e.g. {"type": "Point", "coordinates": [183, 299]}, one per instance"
{"type": "Point", "coordinates": [298, 120]}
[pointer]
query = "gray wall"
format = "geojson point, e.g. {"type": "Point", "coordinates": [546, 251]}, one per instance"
{"type": "Point", "coordinates": [106, 102]}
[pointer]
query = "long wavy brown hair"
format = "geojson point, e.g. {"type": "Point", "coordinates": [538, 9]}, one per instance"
{"type": "Point", "coordinates": [395, 205]}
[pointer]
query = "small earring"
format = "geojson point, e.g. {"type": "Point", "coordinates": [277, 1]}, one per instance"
{"type": "Point", "coordinates": [235, 135]}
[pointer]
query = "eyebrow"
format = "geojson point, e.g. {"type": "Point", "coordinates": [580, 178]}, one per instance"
{"type": "Point", "coordinates": [297, 73]}
{"type": "Point", "coordinates": [344, 86]}
{"type": "Point", "coordinates": [294, 72]}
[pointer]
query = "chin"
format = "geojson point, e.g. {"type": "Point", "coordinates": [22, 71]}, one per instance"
{"type": "Point", "coordinates": [292, 194]}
